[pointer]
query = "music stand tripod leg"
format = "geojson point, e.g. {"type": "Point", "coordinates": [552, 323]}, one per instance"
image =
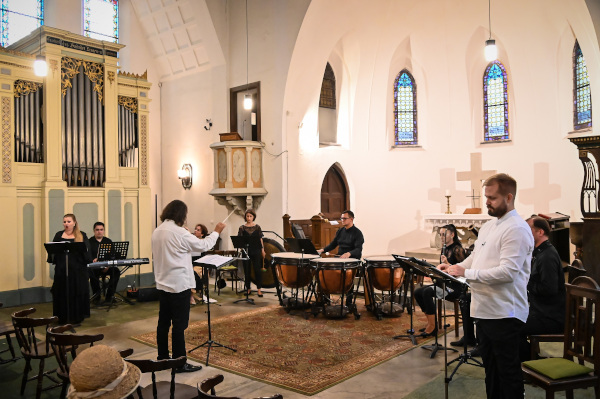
{"type": "Point", "coordinates": [411, 332]}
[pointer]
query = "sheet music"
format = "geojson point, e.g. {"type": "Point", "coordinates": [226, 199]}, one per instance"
{"type": "Point", "coordinates": [214, 260]}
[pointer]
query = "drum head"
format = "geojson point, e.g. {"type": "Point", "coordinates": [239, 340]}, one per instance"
{"type": "Point", "coordinates": [381, 260]}
{"type": "Point", "coordinates": [335, 262]}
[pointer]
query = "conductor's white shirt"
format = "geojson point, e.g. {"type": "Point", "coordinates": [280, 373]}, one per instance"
{"type": "Point", "coordinates": [499, 267]}
{"type": "Point", "coordinates": [172, 248]}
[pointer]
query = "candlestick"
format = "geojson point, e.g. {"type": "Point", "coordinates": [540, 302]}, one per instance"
{"type": "Point", "coordinates": [448, 204]}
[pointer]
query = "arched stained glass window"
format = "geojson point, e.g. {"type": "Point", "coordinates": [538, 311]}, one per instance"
{"type": "Point", "coordinates": [495, 102]}
{"type": "Point", "coordinates": [327, 99]}
{"type": "Point", "coordinates": [101, 19]}
{"type": "Point", "coordinates": [20, 18]}
{"type": "Point", "coordinates": [405, 109]}
{"type": "Point", "coordinates": [582, 96]}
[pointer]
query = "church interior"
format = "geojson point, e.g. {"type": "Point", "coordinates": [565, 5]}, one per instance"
{"type": "Point", "coordinates": [342, 94]}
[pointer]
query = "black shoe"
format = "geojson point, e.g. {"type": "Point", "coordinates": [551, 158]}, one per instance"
{"type": "Point", "coordinates": [475, 352]}
{"type": "Point", "coordinates": [188, 368]}
{"type": "Point", "coordinates": [422, 329]}
{"type": "Point", "coordinates": [260, 295]}
{"type": "Point", "coordinates": [431, 334]}
{"type": "Point", "coordinates": [461, 342]}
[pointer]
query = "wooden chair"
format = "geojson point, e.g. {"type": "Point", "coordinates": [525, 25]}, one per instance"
{"type": "Point", "coordinates": [210, 383]}
{"type": "Point", "coordinates": [163, 389]}
{"type": "Point", "coordinates": [231, 269]}
{"type": "Point", "coordinates": [63, 343]}
{"type": "Point", "coordinates": [581, 342]}
{"type": "Point", "coordinates": [6, 329]}
{"type": "Point", "coordinates": [535, 340]}
{"type": "Point", "coordinates": [32, 348]}
{"type": "Point", "coordinates": [456, 315]}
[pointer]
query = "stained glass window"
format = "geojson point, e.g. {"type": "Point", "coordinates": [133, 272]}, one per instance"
{"type": "Point", "coordinates": [20, 18]}
{"type": "Point", "coordinates": [101, 19]}
{"type": "Point", "coordinates": [495, 102]}
{"type": "Point", "coordinates": [327, 99]}
{"type": "Point", "coordinates": [582, 96]}
{"type": "Point", "coordinates": [405, 109]}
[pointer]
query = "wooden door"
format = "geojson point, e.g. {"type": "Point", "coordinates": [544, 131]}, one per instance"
{"type": "Point", "coordinates": [334, 193]}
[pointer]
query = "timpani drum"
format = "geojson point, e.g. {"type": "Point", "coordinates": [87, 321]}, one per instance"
{"type": "Point", "coordinates": [294, 271]}
{"type": "Point", "coordinates": [385, 275]}
{"type": "Point", "coordinates": [335, 276]}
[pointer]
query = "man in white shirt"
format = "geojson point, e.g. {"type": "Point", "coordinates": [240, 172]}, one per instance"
{"type": "Point", "coordinates": [498, 271]}
{"type": "Point", "coordinates": [172, 247]}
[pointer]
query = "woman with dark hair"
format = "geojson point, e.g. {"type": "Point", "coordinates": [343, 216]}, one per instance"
{"type": "Point", "coordinates": [78, 299]}
{"type": "Point", "coordinates": [200, 231]}
{"type": "Point", "coordinates": [256, 253]}
{"type": "Point", "coordinates": [452, 252]}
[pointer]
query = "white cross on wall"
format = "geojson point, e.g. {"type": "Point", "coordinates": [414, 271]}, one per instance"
{"type": "Point", "coordinates": [476, 175]}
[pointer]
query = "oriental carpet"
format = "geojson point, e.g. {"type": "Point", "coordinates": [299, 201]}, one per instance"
{"type": "Point", "coordinates": [306, 356]}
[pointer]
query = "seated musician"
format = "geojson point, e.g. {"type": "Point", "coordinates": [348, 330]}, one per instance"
{"type": "Point", "coordinates": [349, 239]}
{"type": "Point", "coordinates": [452, 252]}
{"type": "Point", "coordinates": [546, 288]}
{"type": "Point", "coordinates": [200, 231]}
{"type": "Point", "coordinates": [97, 273]}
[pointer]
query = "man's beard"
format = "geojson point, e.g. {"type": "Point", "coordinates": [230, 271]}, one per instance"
{"type": "Point", "coordinates": [497, 212]}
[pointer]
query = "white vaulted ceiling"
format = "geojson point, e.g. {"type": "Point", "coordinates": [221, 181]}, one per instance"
{"type": "Point", "coordinates": [181, 35]}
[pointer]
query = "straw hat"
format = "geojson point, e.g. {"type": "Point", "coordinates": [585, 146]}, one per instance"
{"type": "Point", "coordinates": [99, 372]}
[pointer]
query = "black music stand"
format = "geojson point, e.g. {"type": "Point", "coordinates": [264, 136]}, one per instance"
{"type": "Point", "coordinates": [410, 270]}
{"type": "Point", "coordinates": [206, 267]}
{"type": "Point", "coordinates": [116, 250]}
{"type": "Point", "coordinates": [66, 247]}
{"type": "Point", "coordinates": [464, 357]}
{"type": "Point", "coordinates": [302, 245]}
{"type": "Point", "coordinates": [243, 243]}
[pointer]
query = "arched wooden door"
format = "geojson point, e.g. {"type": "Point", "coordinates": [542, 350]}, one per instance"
{"type": "Point", "coordinates": [335, 196]}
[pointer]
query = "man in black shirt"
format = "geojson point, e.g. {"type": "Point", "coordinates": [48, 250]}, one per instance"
{"type": "Point", "coordinates": [349, 239]}
{"type": "Point", "coordinates": [97, 273]}
{"type": "Point", "coordinates": [546, 287]}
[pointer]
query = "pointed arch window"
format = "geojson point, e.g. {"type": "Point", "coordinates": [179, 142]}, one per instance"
{"type": "Point", "coordinates": [495, 102]}
{"type": "Point", "coordinates": [20, 18]}
{"type": "Point", "coordinates": [582, 96]}
{"type": "Point", "coordinates": [101, 20]}
{"type": "Point", "coordinates": [327, 99]}
{"type": "Point", "coordinates": [405, 109]}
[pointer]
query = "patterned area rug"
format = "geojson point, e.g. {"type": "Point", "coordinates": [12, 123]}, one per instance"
{"type": "Point", "coordinates": [305, 356]}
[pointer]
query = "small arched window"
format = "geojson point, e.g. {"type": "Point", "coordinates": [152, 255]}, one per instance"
{"type": "Point", "coordinates": [20, 18]}
{"type": "Point", "coordinates": [582, 96]}
{"type": "Point", "coordinates": [495, 102]}
{"type": "Point", "coordinates": [405, 109]}
{"type": "Point", "coordinates": [327, 99]}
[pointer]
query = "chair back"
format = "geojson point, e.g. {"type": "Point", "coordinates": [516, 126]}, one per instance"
{"type": "Point", "coordinates": [25, 331]}
{"type": "Point", "coordinates": [582, 322]}
{"type": "Point", "coordinates": [63, 343]}
{"type": "Point", "coordinates": [210, 383]}
{"type": "Point", "coordinates": [153, 366]}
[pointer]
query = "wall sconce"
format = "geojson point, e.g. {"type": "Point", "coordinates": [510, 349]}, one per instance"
{"type": "Point", "coordinates": [185, 174]}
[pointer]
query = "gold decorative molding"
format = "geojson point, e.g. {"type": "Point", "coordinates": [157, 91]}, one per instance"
{"type": "Point", "coordinates": [129, 103]}
{"type": "Point", "coordinates": [144, 149]}
{"type": "Point", "coordinates": [17, 53]}
{"type": "Point", "coordinates": [133, 75]}
{"type": "Point", "coordinates": [6, 147]}
{"type": "Point", "coordinates": [54, 66]}
{"type": "Point", "coordinates": [94, 71]}
{"type": "Point", "coordinates": [24, 87]}
{"type": "Point", "coordinates": [111, 76]}
{"type": "Point", "coordinates": [12, 64]}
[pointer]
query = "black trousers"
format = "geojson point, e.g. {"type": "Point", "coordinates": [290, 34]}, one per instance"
{"type": "Point", "coordinates": [499, 347]}
{"type": "Point", "coordinates": [174, 309]}
{"type": "Point", "coordinates": [537, 324]}
{"type": "Point", "coordinates": [256, 262]}
{"type": "Point", "coordinates": [96, 275]}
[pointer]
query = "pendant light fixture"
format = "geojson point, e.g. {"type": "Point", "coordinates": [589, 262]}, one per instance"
{"type": "Point", "coordinates": [491, 52]}
{"type": "Point", "coordinates": [39, 65]}
{"type": "Point", "coordinates": [247, 96]}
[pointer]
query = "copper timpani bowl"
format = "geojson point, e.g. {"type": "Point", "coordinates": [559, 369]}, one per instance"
{"type": "Point", "coordinates": [293, 270]}
{"type": "Point", "coordinates": [384, 273]}
{"type": "Point", "coordinates": [336, 275]}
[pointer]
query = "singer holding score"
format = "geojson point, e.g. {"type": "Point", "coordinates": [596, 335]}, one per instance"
{"type": "Point", "coordinates": [498, 271]}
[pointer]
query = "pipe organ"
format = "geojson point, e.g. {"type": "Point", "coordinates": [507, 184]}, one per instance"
{"type": "Point", "coordinates": [75, 141]}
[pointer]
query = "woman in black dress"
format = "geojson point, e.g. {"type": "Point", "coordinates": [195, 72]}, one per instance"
{"type": "Point", "coordinates": [78, 288]}
{"type": "Point", "coordinates": [256, 252]}
{"type": "Point", "coordinates": [452, 253]}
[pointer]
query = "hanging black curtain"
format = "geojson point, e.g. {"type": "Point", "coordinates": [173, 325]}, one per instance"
{"type": "Point", "coordinates": [29, 132]}
{"type": "Point", "coordinates": [82, 122]}
{"type": "Point", "coordinates": [128, 134]}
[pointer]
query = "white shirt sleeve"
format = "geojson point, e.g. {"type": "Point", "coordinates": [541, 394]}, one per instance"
{"type": "Point", "coordinates": [201, 244]}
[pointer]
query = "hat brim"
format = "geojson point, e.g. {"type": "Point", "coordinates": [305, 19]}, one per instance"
{"type": "Point", "coordinates": [127, 386]}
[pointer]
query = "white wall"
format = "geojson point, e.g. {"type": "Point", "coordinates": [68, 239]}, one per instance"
{"type": "Point", "coordinates": [442, 45]}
